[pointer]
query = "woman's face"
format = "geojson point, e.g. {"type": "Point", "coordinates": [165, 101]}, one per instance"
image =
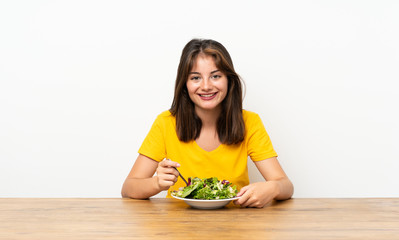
{"type": "Point", "coordinates": [207, 86]}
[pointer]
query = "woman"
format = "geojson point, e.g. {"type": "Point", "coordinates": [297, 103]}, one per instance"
{"type": "Point", "coordinates": [206, 133]}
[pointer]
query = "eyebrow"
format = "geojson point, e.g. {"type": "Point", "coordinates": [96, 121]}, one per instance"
{"type": "Point", "coordinates": [200, 74]}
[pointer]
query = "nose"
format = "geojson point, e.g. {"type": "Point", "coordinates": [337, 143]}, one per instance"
{"type": "Point", "coordinates": [206, 84]}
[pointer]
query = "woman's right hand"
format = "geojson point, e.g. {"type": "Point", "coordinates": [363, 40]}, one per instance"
{"type": "Point", "coordinates": [167, 174]}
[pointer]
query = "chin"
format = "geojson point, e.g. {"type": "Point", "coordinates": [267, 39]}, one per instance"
{"type": "Point", "coordinates": [209, 108]}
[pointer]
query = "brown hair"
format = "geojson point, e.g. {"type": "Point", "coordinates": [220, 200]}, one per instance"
{"type": "Point", "coordinates": [230, 125]}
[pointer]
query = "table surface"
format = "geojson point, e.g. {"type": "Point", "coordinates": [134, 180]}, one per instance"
{"type": "Point", "coordinates": [159, 218]}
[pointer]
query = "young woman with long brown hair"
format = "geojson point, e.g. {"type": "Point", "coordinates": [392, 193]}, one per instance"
{"type": "Point", "coordinates": [206, 133]}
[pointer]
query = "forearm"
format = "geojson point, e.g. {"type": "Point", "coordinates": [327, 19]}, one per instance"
{"type": "Point", "coordinates": [285, 189]}
{"type": "Point", "coordinates": [140, 188]}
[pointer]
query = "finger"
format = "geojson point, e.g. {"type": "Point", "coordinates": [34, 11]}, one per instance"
{"type": "Point", "coordinates": [166, 184]}
{"type": "Point", "coordinates": [169, 177]}
{"type": "Point", "coordinates": [168, 171]}
{"type": "Point", "coordinates": [243, 199]}
{"type": "Point", "coordinates": [258, 201]}
{"type": "Point", "coordinates": [252, 201]}
{"type": "Point", "coordinates": [242, 191]}
{"type": "Point", "coordinates": [169, 163]}
{"type": "Point", "coordinates": [255, 204]}
{"type": "Point", "coordinates": [163, 179]}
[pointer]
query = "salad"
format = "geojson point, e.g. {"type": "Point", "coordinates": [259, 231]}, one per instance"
{"type": "Point", "coordinates": [207, 188]}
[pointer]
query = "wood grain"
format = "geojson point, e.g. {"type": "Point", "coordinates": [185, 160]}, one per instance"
{"type": "Point", "coordinates": [172, 219]}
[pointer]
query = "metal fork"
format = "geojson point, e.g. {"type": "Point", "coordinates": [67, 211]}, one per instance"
{"type": "Point", "coordinates": [181, 176]}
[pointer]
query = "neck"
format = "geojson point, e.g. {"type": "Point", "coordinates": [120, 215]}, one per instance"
{"type": "Point", "coordinates": [208, 117]}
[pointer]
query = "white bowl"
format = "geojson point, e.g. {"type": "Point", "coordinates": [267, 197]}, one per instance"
{"type": "Point", "coordinates": [206, 204]}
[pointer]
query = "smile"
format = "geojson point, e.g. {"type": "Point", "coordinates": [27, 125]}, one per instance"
{"type": "Point", "coordinates": [207, 96]}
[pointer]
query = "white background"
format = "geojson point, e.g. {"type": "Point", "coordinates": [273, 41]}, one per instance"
{"type": "Point", "coordinates": [82, 81]}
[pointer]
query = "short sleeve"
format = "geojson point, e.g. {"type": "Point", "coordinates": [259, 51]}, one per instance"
{"type": "Point", "coordinates": [153, 145]}
{"type": "Point", "coordinates": [259, 144]}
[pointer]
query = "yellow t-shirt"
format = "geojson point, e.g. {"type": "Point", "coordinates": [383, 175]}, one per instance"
{"type": "Point", "coordinates": [225, 162]}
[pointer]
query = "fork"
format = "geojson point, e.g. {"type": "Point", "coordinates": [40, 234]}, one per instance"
{"type": "Point", "coordinates": [181, 176]}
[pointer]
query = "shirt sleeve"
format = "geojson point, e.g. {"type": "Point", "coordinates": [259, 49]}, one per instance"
{"type": "Point", "coordinates": [153, 145]}
{"type": "Point", "coordinates": [259, 144]}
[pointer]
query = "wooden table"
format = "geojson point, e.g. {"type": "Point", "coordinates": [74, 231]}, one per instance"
{"type": "Point", "coordinates": [35, 218]}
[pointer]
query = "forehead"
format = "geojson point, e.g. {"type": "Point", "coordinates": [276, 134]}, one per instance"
{"type": "Point", "coordinates": [204, 63]}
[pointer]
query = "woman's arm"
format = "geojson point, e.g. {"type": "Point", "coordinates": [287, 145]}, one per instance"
{"type": "Point", "coordinates": [276, 187]}
{"type": "Point", "coordinates": [141, 184]}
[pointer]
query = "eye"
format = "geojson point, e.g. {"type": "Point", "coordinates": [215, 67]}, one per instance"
{"type": "Point", "coordinates": [195, 78]}
{"type": "Point", "coordinates": [216, 76]}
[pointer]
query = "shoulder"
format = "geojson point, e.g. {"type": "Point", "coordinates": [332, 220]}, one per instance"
{"type": "Point", "coordinates": [252, 120]}
{"type": "Point", "coordinates": [249, 116]}
{"type": "Point", "coordinates": [165, 114]}
{"type": "Point", "coordinates": [165, 117]}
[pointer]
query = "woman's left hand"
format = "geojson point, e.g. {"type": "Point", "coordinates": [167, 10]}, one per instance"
{"type": "Point", "coordinates": [257, 194]}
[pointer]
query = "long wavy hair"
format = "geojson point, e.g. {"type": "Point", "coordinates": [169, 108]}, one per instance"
{"type": "Point", "coordinates": [230, 124]}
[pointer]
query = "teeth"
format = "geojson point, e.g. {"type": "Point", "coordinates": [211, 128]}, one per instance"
{"type": "Point", "coordinates": [207, 95]}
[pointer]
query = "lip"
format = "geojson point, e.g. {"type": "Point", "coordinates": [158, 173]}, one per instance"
{"type": "Point", "coordinates": [206, 98]}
